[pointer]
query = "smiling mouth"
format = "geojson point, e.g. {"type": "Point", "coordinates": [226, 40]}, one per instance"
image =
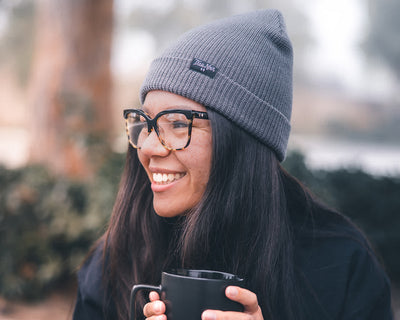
{"type": "Point", "coordinates": [165, 178]}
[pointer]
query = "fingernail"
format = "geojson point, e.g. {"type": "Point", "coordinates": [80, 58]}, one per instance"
{"type": "Point", "coordinates": [208, 315]}
{"type": "Point", "coordinates": [232, 291]}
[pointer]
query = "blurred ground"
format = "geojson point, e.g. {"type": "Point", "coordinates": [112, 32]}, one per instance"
{"type": "Point", "coordinates": [59, 305]}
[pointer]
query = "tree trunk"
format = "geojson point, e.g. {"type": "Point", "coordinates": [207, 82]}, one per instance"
{"type": "Point", "coordinates": [71, 85]}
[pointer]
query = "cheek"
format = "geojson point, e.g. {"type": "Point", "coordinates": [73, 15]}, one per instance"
{"type": "Point", "coordinates": [206, 168]}
{"type": "Point", "coordinates": [200, 169]}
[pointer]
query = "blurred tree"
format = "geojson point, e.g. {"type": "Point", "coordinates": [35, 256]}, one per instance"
{"type": "Point", "coordinates": [71, 85]}
{"type": "Point", "coordinates": [383, 38]}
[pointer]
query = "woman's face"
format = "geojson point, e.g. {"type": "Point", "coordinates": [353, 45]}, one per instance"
{"type": "Point", "coordinates": [186, 171]}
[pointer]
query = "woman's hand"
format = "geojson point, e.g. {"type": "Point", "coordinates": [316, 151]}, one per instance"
{"type": "Point", "coordinates": [155, 309]}
{"type": "Point", "coordinates": [248, 299]}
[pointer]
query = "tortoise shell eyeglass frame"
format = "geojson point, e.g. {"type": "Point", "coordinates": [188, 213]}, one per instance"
{"type": "Point", "coordinates": [152, 124]}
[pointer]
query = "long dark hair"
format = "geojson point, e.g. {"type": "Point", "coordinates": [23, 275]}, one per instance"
{"type": "Point", "coordinates": [244, 224]}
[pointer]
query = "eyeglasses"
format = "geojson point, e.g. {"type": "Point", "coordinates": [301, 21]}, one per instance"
{"type": "Point", "coordinates": [173, 127]}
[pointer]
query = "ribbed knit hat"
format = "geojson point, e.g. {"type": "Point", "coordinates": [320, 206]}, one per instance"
{"type": "Point", "coordinates": [239, 66]}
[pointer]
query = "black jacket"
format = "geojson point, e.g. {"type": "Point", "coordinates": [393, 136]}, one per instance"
{"type": "Point", "coordinates": [346, 281]}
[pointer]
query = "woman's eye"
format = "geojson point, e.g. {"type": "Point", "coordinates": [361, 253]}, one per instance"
{"type": "Point", "coordinates": [179, 124]}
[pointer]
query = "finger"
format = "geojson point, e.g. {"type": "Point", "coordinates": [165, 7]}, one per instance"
{"type": "Point", "coordinates": [154, 296]}
{"type": "Point", "coordinates": [154, 308]}
{"type": "Point", "coordinates": [245, 297]}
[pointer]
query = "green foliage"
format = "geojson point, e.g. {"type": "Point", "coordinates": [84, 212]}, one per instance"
{"type": "Point", "coordinates": [47, 225]}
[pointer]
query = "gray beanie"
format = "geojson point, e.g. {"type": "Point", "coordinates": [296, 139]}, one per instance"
{"type": "Point", "coordinates": [239, 66]}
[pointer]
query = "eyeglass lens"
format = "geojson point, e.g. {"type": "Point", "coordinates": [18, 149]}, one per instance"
{"type": "Point", "coordinates": [172, 130]}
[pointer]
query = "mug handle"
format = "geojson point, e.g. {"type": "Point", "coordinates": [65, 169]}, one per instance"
{"type": "Point", "coordinates": [135, 290]}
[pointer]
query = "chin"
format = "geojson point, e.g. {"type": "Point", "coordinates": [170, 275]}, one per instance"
{"type": "Point", "coordinates": [168, 213]}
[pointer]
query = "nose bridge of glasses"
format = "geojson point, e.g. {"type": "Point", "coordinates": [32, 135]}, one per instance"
{"type": "Point", "coordinates": [151, 124]}
{"type": "Point", "coordinates": [152, 127]}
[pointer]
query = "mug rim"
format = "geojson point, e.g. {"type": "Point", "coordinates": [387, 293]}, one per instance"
{"type": "Point", "coordinates": [186, 273]}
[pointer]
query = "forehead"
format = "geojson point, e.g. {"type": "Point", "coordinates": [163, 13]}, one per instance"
{"type": "Point", "coordinates": [157, 101]}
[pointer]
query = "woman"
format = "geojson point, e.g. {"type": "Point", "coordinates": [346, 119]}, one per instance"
{"type": "Point", "coordinates": [203, 188]}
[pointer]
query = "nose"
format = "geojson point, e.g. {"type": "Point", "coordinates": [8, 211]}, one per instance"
{"type": "Point", "coordinates": [152, 146]}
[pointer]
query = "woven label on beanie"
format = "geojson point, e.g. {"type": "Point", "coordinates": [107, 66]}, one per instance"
{"type": "Point", "coordinates": [203, 67]}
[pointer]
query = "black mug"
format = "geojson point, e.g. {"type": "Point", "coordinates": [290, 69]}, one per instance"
{"type": "Point", "coordinates": [187, 293]}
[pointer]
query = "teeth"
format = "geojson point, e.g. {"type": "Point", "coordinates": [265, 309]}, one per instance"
{"type": "Point", "coordinates": [164, 178]}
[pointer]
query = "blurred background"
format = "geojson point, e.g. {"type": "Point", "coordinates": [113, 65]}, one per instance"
{"type": "Point", "coordinates": [69, 68]}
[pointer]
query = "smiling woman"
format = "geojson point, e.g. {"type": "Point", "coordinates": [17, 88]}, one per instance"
{"type": "Point", "coordinates": [203, 189]}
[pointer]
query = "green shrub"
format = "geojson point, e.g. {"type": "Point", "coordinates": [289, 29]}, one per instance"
{"type": "Point", "coordinates": [47, 225]}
